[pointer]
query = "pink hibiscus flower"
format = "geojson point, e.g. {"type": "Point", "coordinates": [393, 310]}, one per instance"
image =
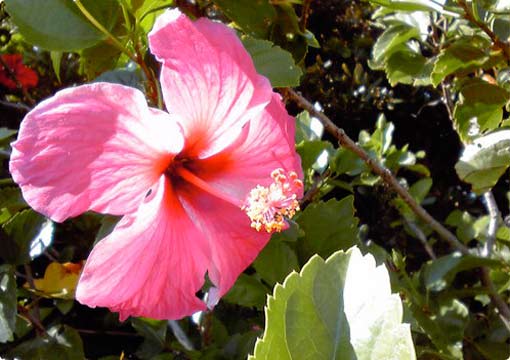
{"type": "Point", "coordinates": [200, 187]}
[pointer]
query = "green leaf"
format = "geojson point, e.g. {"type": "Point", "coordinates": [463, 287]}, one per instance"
{"type": "Point", "coordinates": [11, 201]}
{"type": "Point", "coordinates": [6, 135]}
{"type": "Point", "coordinates": [253, 17]}
{"type": "Point", "coordinates": [483, 162]}
{"type": "Point", "coordinates": [408, 67]}
{"type": "Point", "coordinates": [125, 77]}
{"type": "Point", "coordinates": [466, 54]}
{"type": "Point", "coordinates": [8, 304]}
{"type": "Point", "coordinates": [346, 162]}
{"type": "Point", "coordinates": [438, 274]}
{"type": "Point", "coordinates": [310, 151]}
{"type": "Point", "coordinates": [59, 342]}
{"type": "Point", "coordinates": [328, 227]}
{"type": "Point", "coordinates": [275, 262]}
{"type": "Point", "coordinates": [108, 223]}
{"type": "Point", "coordinates": [19, 232]}
{"type": "Point", "coordinates": [418, 191]}
{"type": "Point", "coordinates": [273, 62]}
{"type": "Point", "coordinates": [444, 323]}
{"type": "Point", "coordinates": [391, 39]}
{"type": "Point", "coordinates": [409, 5]}
{"type": "Point", "coordinates": [154, 334]}
{"type": "Point", "coordinates": [56, 61]}
{"type": "Point", "coordinates": [247, 291]}
{"type": "Point", "coordinates": [58, 25]}
{"type": "Point", "coordinates": [308, 128]}
{"type": "Point", "coordinates": [324, 313]}
{"type": "Point", "coordinates": [99, 58]}
{"type": "Point", "coordinates": [503, 234]}
{"type": "Point", "coordinates": [480, 108]}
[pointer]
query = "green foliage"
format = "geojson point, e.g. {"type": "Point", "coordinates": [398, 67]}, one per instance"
{"type": "Point", "coordinates": [276, 261]}
{"type": "Point", "coordinates": [60, 342]}
{"type": "Point", "coordinates": [247, 291]}
{"type": "Point", "coordinates": [308, 317]}
{"type": "Point", "coordinates": [438, 274]}
{"type": "Point", "coordinates": [430, 56]}
{"type": "Point", "coordinates": [59, 25]}
{"type": "Point", "coordinates": [273, 62]}
{"type": "Point", "coordinates": [328, 226]}
{"type": "Point", "coordinates": [253, 17]}
{"type": "Point", "coordinates": [480, 108]}
{"type": "Point", "coordinates": [19, 232]}
{"type": "Point", "coordinates": [483, 162]}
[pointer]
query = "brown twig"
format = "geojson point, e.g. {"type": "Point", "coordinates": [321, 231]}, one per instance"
{"type": "Point", "coordinates": [386, 175]}
{"type": "Point", "coordinates": [498, 302]}
{"type": "Point", "coordinates": [18, 83]}
{"type": "Point", "coordinates": [468, 15]}
{"type": "Point", "coordinates": [380, 170]}
{"type": "Point", "coordinates": [305, 13]}
{"type": "Point", "coordinates": [152, 88]}
{"type": "Point", "coordinates": [35, 318]}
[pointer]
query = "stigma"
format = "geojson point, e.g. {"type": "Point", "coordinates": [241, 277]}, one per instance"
{"type": "Point", "coordinates": [269, 207]}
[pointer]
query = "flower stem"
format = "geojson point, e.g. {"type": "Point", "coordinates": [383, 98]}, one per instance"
{"type": "Point", "coordinates": [152, 90]}
{"type": "Point", "coordinates": [102, 29]}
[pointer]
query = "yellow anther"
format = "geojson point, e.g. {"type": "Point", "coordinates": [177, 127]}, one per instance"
{"type": "Point", "coordinates": [268, 207]}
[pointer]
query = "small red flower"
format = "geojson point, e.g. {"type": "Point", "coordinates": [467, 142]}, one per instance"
{"type": "Point", "coordinates": [26, 76]}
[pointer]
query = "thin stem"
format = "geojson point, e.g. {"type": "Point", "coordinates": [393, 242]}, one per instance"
{"type": "Point", "coordinates": [107, 332]}
{"type": "Point", "coordinates": [180, 335]}
{"type": "Point", "coordinates": [102, 29]}
{"type": "Point", "coordinates": [150, 11]}
{"type": "Point", "coordinates": [470, 16]}
{"type": "Point", "coordinates": [494, 215]}
{"type": "Point", "coordinates": [35, 318]}
{"type": "Point", "coordinates": [500, 304]}
{"type": "Point", "coordinates": [421, 236]}
{"type": "Point", "coordinates": [380, 170]}
{"type": "Point", "coordinates": [136, 57]}
{"type": "Point", "coordinates": [16, 106]}
{"type": "Point", "coordinates": [19, 85]}
{"type": "Point", "coordinates": [305, 13]}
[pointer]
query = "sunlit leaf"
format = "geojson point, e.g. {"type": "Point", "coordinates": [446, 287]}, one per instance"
{"type": "Point", "coordinates": [324, 313]}
{"type": "Point", "coordinates": [483, 162]}
{"type": "Point", "coordinates": [273, 62]}
{"type": "Point", "coordinates": [8, 304]}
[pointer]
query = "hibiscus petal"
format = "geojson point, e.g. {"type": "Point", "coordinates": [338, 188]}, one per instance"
{"type": "Point", "coordinates": [208, 80]}
{"type": "Point", "coordinates": [94, 147]}
{"type": "Point", "coordinates": [152, 264]}
{"type": "Point", "coordinates": [233, 244]}
{"type": "Point", "coordinates": [267, 144]}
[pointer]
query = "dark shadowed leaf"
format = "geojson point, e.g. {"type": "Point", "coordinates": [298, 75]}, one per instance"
{"type": "Point", "coordinates": [254, 17]}
{"type": "Point", "coordinates": [59, 342]}
{"type": "Point", "coordinates": [328, 227]}
{"type": "Point", "coordinates": [247, 291]}
{"type": "Point", "coordinates": [439, 273]}
{"type": "Point", "coordinates": [276, 261]}
{"type": "Point", "coordinates": [19, 232]}
{"type": "Point", "coordinates": [59, 25]}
